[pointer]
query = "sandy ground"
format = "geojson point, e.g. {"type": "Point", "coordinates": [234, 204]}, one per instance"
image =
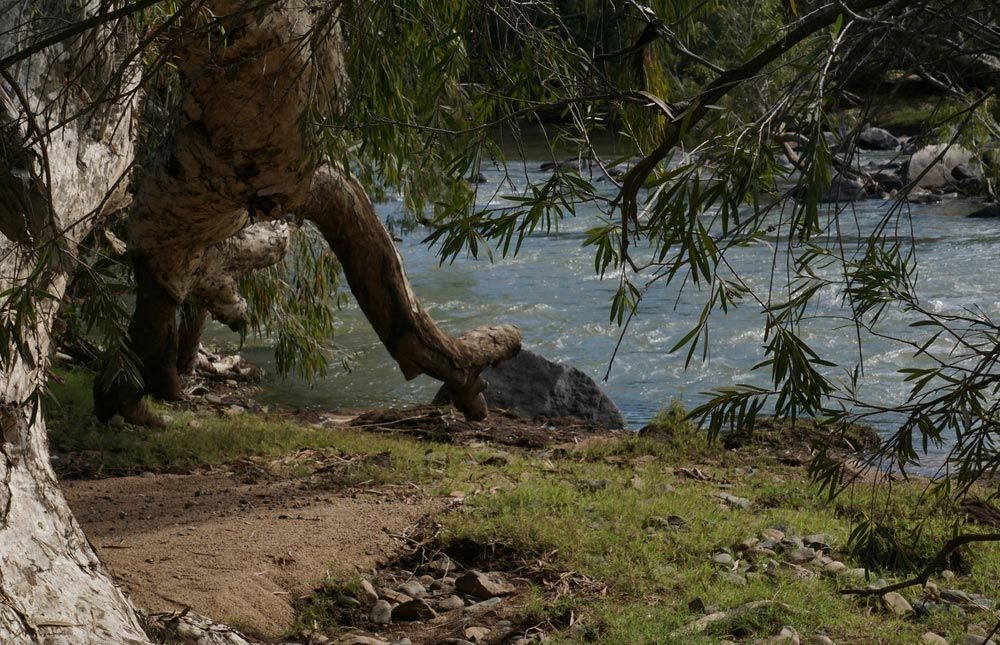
{"type": "Point", "coordinates": [238, 551]}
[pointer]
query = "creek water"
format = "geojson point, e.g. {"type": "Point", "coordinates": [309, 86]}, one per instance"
{"type": "Point", "coordinates": [551, 292]}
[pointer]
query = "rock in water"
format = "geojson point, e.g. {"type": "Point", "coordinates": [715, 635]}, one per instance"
{"type": "Point", "coordinates": [534, 386]}
{"type": "Point", "coordinates": [940, 174]}
{"type": "Point", "coordinates": [877, 139]}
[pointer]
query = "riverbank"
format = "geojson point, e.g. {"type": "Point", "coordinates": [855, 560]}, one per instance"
{"type": "Point", "coordinates": [318, 526]}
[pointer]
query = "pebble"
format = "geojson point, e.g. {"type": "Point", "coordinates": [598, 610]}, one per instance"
{"type": "Point", "coordinates": [956, 596]}
{"type": "Point", "coordinates": [450, 603]}
{"type": "Point", "coordinates": [381, 612]}
{"type": "Point", "coordinates": [801, 555]}
{"type": "Point", "coordinates": [480, 606]}
{"type": "Point", "coordinates": [732, 500]}
{"type": "Point", "coordinates": [820, 639]}
{"type": "Point", "coordinates": [896, 604]}
{"type": "Point", "coordinates": [413, 610]}
{"type": "Point", "coordinates": [393, 596]}
{"type": "Point", "coordinates": [442, 565]}
{"type": "Point", "coordinates": [412, 588]}
{"type": "Point", "coordinates": [773, 534]}
{"type": "Point", "coordinates": [973, 639]}
{"type": "Point", "coordinates": [477, 634]}
{"type": "Point", "coordinates": [358, 639]}
{"type": "Point", "coordinates": [819, 540]}
{"type": "Point", "coordinates": [214, 399]}
{"type": "Point", "coordinates": [722, 559]}
{"type": "Point", "coordinates": [787, 636]}
{"type": "Point", "coordinates": [482, 585]}
{"type": "Point", "coordinates": [930, 638]}
{"type": "Point", "coordinates": [730, 577]}
{"type": "Point", "coordinates": [367, 594]}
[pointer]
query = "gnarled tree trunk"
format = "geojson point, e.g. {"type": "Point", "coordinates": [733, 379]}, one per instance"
{"type": "Point", "coordinates": [240, 152]}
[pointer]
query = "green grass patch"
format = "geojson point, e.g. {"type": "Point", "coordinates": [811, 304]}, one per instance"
{"type": "Point", "coordinates": [623, 513]}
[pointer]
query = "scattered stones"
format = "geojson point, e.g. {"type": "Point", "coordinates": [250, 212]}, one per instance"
{"type": "Point", "coordinates": [820, 639]}
{"type": "Point", "coordinates": [412, 588]}
{"type": "Point", "coordinates": [450, 603]}
{"type": "Point", "coordinates": [896, 604]}
{"type": "Point", "coordinates": [413, 610]}
{"type": "Point", "coordinates": [732, 500]}
{"type": "Point", "coordinates": [930, 638]}
{"type": "Point", "coordinates": [481, 585]}
{"type": "Point", "coordinates": [381, 613]}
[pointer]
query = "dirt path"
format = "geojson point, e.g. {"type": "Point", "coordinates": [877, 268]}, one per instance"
{"type": "Point", "coordinates": [238, 552]}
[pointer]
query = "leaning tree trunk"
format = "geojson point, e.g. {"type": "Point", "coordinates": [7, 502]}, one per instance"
{"type": "Point", "coordinates": [241, 152]}
{"type": "Point", "coordinates": [60, 169]}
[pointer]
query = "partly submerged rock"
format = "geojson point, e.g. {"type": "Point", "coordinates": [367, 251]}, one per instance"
{"type": "Point", "coordinates": [877, 139]}
{"type": "Point", "coordinates": [534, 386]}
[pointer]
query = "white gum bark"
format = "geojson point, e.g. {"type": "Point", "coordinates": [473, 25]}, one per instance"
{"type": "Point", "coordinates": [52, 586]}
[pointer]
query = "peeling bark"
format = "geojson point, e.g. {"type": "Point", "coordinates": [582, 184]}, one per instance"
{"type": "Point", "coordinates": [345, 216]}
{"type": "Point", "coordinates": [52, 185]}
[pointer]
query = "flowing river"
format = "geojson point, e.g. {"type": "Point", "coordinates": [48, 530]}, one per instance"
{"type": "Point", "coordinates": [551, 292]}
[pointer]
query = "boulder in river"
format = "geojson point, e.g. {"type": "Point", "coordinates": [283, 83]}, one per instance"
{"type": "Point", "coordinates": [988, 211]}
{"type": "Point", "coordinates": [534, 386]}
{"type": "Point", "coordinates": [942, 166]}
{"type": "Point", "coordinates": [877, 139]}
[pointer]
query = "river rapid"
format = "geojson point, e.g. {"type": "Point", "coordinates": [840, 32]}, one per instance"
{"type": "Point", "coordinates": [551, 292]}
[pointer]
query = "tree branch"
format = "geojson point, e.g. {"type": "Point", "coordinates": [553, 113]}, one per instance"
{"type": "Point", "coordinates": [934, 565]}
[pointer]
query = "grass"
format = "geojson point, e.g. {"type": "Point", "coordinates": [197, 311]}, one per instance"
{"type": "Point", "coordinates": [596, 509]}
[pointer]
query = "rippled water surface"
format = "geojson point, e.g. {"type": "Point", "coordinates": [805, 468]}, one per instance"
{"type": "Point", "coordinates": [551, 292]}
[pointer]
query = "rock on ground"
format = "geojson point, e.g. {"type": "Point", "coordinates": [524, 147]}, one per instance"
{"type": "Point", "coordinates": [534, 386]}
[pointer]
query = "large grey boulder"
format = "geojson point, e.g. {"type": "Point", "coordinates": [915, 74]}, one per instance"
{"type": "Point", "coordinates": [942, 172]}
{"type": "Point", "coordinates": [534, 386]}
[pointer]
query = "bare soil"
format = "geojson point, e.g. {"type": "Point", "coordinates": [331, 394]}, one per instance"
{"type": "Point", "coordinates": [241, 552]}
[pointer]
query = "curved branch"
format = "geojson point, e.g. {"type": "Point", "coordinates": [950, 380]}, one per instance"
{"type": "Point", "coordinates": [345, 216]}
{"type": "Point", "coordinates": [934, 565]}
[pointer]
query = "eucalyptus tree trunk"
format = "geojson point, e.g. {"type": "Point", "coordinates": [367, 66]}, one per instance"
{"type": "Point", "coordinates": [241, 152]}
{"type": "Point", "coordinates": [61, 169]}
